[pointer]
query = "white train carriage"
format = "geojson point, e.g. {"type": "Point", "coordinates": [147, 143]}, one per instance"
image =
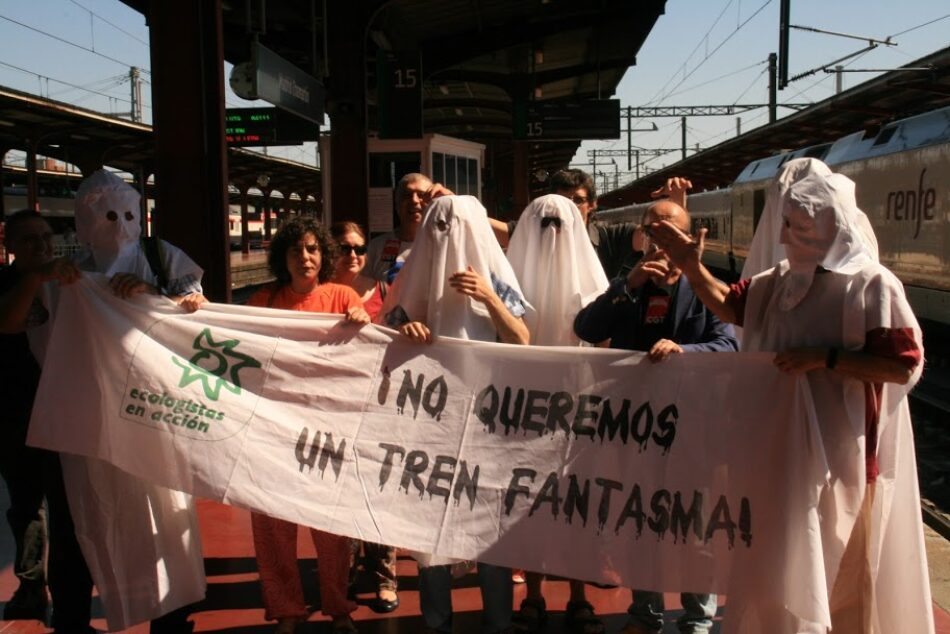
{"type": "Point", "coordinates": [902, 176]}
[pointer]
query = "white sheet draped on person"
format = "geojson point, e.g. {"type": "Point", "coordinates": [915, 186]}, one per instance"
{"type": "Point", "coordinates": [141, 541]}
{"type": "Point", "coordinates": [766, 249]}
{"type": "Point", "coordinates": [454, 234]}
{"type": "Point", "coordinates": [557, 267]}
{"type": "Point", "coordinates": [788, 308]}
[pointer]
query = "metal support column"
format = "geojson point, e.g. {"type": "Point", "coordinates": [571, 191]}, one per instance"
{"type": "Point", "coordinates": [346, 105]}
{"type": "Point", "coordinates": [191, 184]}
{"type": "Point", "coordinates": [245, 238]}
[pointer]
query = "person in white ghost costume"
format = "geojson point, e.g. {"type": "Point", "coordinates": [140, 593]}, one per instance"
{"type": "Point", "coordinates": [832, 313]}
{"type": "Point", "coordinates": [140, 541]}
{"type": "Point", "coordinates": [560, 273]}
{"type": "Point", "coordinates": [456, 282]}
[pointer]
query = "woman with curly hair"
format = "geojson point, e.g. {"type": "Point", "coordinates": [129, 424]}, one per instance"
{"type": "Point", "coordinates": [302, 258]}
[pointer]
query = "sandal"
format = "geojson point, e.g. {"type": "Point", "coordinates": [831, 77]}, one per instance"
{"type": "Point", "coordinates": [530, 618]}
{"type": "Point", "coordinates": [579, 618]}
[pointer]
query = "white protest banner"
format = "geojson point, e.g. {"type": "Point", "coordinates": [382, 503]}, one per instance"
{"type": "Point", "coordinates": [700, 473]}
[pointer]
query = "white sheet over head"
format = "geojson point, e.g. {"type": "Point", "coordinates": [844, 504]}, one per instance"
{"type": "Point", "coordinates": [766, 249]}
{"type": "Point", "coordinates": [557, 266]}
{"type": "Point", "coordinates": [820, 227]}
{"type": "Point", "coordinates": [108, 218]}
{"type": "Point", "coordinates": [455, 234]}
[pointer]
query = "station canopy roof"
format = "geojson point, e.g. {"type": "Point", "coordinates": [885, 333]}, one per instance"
{"type": "Point", "coordinates": [79, 136]}
{"type": "Point", "coordinates": [477, 56]}
{"type": "Point", "coordinates": [893, 95]}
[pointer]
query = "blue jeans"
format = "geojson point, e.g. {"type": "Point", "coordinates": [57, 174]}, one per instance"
{"type": "Point", "coordinates": [435, 597]}
{"type": "Point", "coordinates": [646, 611]}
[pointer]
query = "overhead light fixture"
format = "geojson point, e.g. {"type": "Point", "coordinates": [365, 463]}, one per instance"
{"type": "Point", "coordinates": [538, 93]}
{"type": "Point", "coordinates": [458, 112]}
{"type": "Point", "coordinates": [9, 124]}
{"type": "Point", "coordinates": [263, 180]}
{"type": "Point", "coordinates": [380, 39]}
{"type": "Point", "coordinates": [538, 57]}
{"type": "Point", "coordinates": [444, 89]}
{"type": "Point", "coordinates": [79, 137]}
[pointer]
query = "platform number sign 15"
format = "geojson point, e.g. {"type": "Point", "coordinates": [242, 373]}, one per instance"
{"type": "Point", "coordinates": [399, 87]}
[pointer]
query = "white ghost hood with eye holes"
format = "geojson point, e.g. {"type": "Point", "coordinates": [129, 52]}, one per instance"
{"type": "Point", "coordinates": [455, 234]}
{"type": "Point", "coordinates": [108, 220]}
{"type": "Point", "coordinates": [557, 267]}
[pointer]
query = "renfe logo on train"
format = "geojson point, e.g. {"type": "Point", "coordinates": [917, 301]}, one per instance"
{"type": "Point", "coordinates": [913, 205]}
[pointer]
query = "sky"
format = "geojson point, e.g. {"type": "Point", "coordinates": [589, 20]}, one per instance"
{"type": "Point", "coordinates": [700, 52]}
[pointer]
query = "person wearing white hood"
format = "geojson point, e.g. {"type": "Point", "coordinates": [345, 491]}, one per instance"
{"type": "Point", "coordinates": [560, 273]}
{"type": "Point", "coordinates": [456, 282]}
{"type": "Point", "coordinates": [831, 312]}
{"type": "Point", "coordinates": [108, 226]}
{"type": "Point", "coordinates": [140, 541]}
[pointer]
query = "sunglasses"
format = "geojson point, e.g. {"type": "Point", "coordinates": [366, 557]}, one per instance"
{"type": "Point", "coordinates": [346, 249]}
{"type": "Point", "coordinates": [580, 200]}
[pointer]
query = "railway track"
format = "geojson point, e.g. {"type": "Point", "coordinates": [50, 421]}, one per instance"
{"type": "Point", "coordinates": [931, 419]}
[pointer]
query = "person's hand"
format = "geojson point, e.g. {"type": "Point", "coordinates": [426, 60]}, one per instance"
{"type": "Point", "coordinates": [357, 315]}
{"type": "Point", "coordinates": [800, 360]}
{"type": "Point", "coordinates": [675, 189]}
{"type": "Point", "coordinates": [682, 250]}
{"type": "Point", "coordinates": [417, 331]}
{"type": "Point", "coordinates": [636, 240]}
{"type": "Point", "coordinates": [191, 302]}
{"type": "Point", "coordinates": [653, 265]}
{"type": "Point", "coordinates": [437, 190]}
{"type": "Point", "coordinates": [60, 269]}
{"type": "Point", "coordinates": [662, 349]}
{"type": "Point", "coordinates": [126, 285]}
{"type": "Point", "coordinates": [470, 283]}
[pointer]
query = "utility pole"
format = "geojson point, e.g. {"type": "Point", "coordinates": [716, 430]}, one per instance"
{"type": "Point", "coordinates": [593, 160]}
{"type": "Point", "coordinates": [135, 80]}
{"type": "Point", "coordinates": [838, 77]}
{"type": "Point", "coordinates": [683, 126]}
{"type": "Point", "coordinates": [783, 25]}
{"type": "Point", "coordinates": [630, 135]}
{"type": "Point", "coordinates": [772, 86]}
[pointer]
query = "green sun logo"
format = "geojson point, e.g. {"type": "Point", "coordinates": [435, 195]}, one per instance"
{"type": "Point", "coordinates": [227, 361]}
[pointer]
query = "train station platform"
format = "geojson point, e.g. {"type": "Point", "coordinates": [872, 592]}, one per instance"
{"type": "Point", "coordinates": [233, 604]}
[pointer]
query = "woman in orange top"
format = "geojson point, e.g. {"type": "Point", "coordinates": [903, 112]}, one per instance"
{"type": "Point", "coordinates": [302, 257]}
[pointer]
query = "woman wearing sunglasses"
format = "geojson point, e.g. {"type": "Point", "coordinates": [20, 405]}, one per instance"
{"type": "Point", "coordinates": [351, 243]}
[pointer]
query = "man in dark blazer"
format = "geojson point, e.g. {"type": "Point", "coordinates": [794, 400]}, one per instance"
{"type": "Point", "coordinates": [653, 309]}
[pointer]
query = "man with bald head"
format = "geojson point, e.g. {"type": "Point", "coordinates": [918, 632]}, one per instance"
{"type": "Point", "coordinates": [653, 309]}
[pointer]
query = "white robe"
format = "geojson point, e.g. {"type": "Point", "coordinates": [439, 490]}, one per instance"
{"type": "Point", "coordinates": [812, 217]}
{"type": "Point", "coordinates": [141, 541]}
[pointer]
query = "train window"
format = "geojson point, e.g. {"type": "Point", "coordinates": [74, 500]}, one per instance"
{"type": "Point", "coordinates": [758, 204]}
{"type": "Point", "coordinates": [438, 167]}
{"type": "Point", "coordinates": [473, 177]}
{"type": "Point", "coordinates": [885, 135]}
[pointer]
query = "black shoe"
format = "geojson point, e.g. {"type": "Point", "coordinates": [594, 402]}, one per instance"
{"type": "Point", "coordinates": [382, 606]}
{"type": "Point", "coordinates": [29, 602]}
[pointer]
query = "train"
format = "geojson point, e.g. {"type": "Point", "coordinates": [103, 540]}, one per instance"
{"type": "Point", "coordinates": [59, 212]}
{"type": "Point", "coordinates": [902, 177]}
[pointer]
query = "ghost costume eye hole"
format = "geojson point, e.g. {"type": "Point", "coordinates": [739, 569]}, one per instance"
{"type": "Point", "coordinates": [112, 216]}
{"type": "Point", "coordinates": [441, 225]}
{"type": "Point", "coordinates": [788, 223]}
{"type": "Point", "coordinates": [129, 216]}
